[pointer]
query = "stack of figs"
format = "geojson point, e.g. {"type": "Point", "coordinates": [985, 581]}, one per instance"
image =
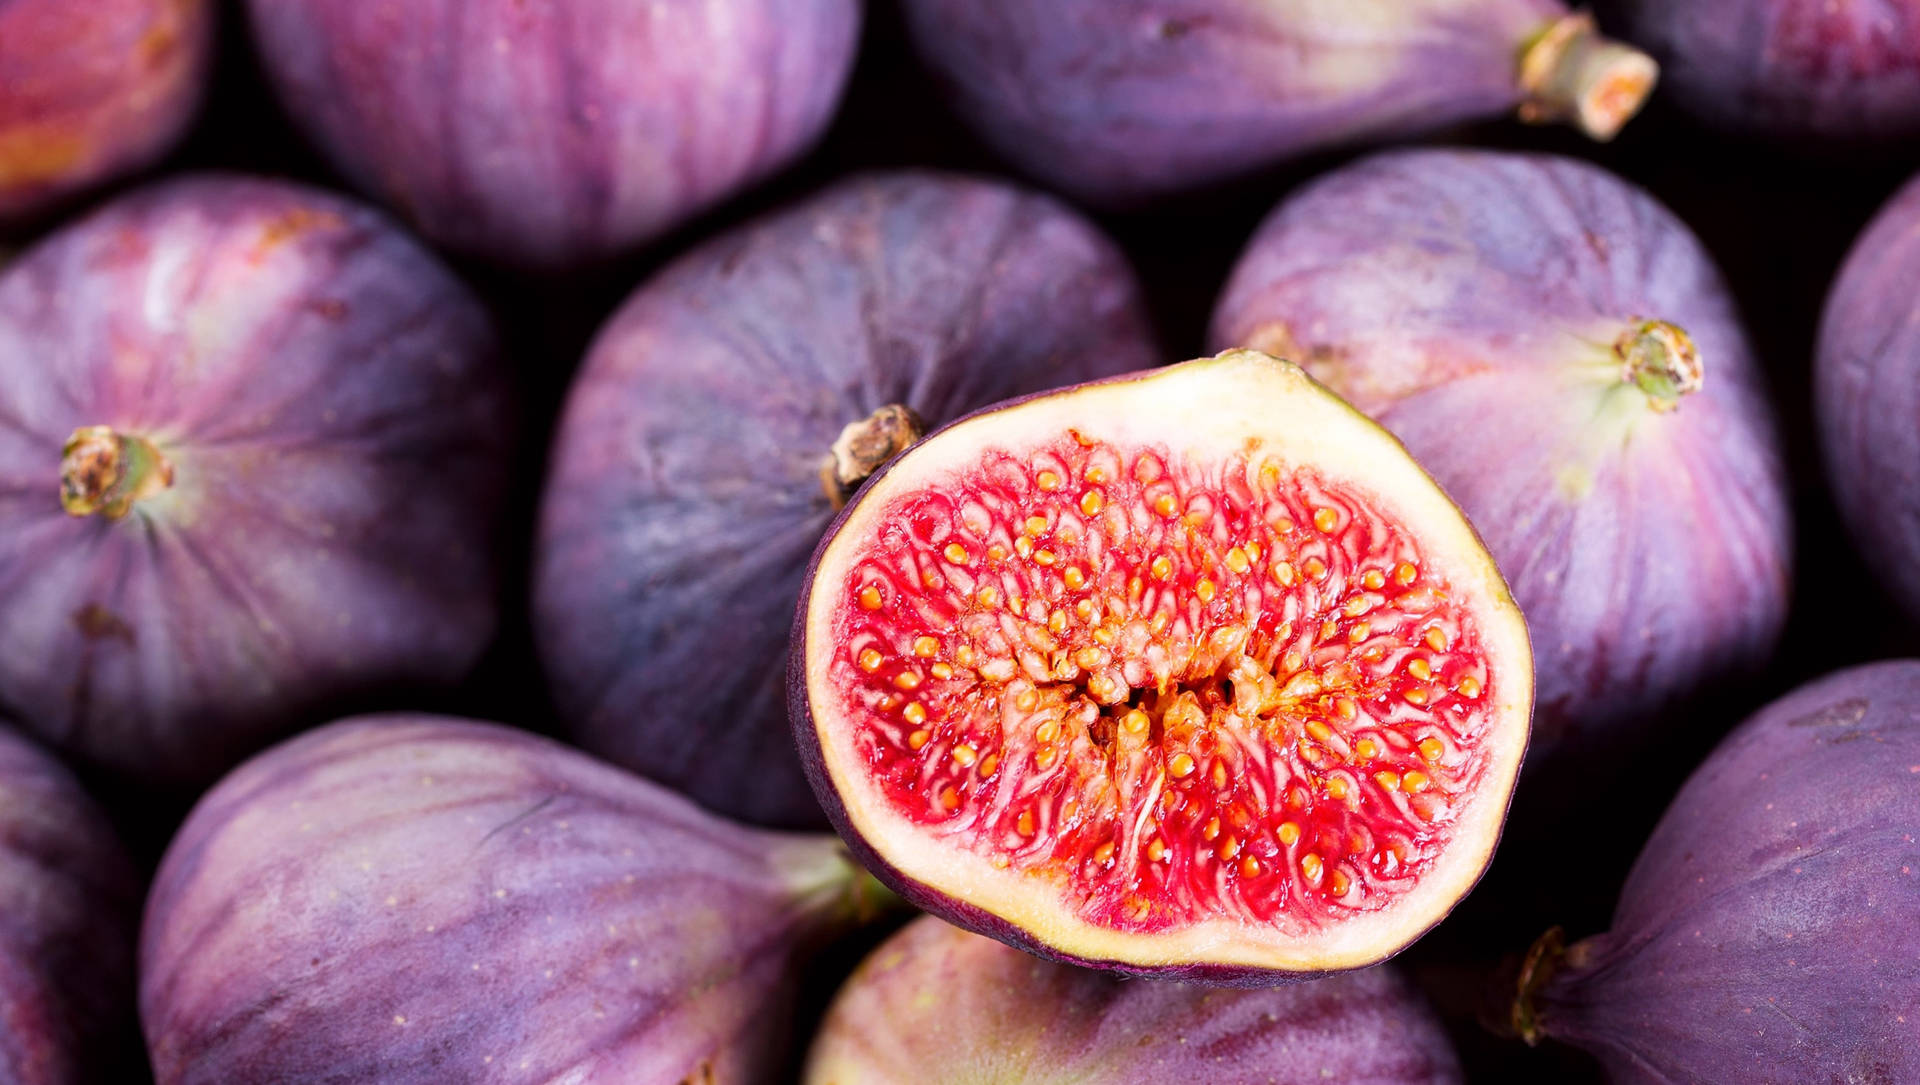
{"type": "Point", "coordinates": [587, 541]}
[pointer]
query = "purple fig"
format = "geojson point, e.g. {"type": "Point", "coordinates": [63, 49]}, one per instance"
{"type": "Point", "coordinates": [253, 442]}
{"type": "Point", "coordinates": [936, 1004]}
{"type": "Point", "coordinates": [93, 89]}
{"type": "Point", "coordinates": [68, 905]}
{"type": "Point", "coordinates": [687, 486]}
{"type": "Point", "coordinates": [1560, 352]}
{"type": "Point", "coordinates": [1767, 931]}
{"type": "Point", "coordinates": [420, 899]}
{"type": "Point", "coordinates": [1867, 395]}
{"type": "Point", "coordinates": [1119, 100]}
{"type": "Point", "coordinates": [558, 133]}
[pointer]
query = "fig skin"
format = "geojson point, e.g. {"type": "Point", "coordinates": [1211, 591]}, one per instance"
{"type": "Point", "coordinates": [685, 498]}
{"type": "Point", "coordinates": [1471, 302]}
{"type": "Point", "coordinates": [1766, 932]}
{"type": "Point", "coordinates": [424, 899]}
{"type": "Point", "coordinates": [936, 1004]}
{"type": "Point", "coordinates": [1867, 395]}
{"type": "Point", "coordinates": [1119, 101]}
{"type": "Point", "coordinates": [557, 134]}
{"type": "Point", "coordinates": [69, 903]}
{"type": "Point", "coordinates": [333, 417]}
{"type": "Point", "coordinates": [94, 91]}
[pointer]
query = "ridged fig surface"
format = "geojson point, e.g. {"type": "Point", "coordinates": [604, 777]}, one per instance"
{"type": "Point", "coordinates": [1767, 930]}
{"type": "Point", "coordinates": [422, 899]}
{"type": "Point", "coordinates": [685, 494]}
{"type": "Point", "coordinates": [69, 902]}
{"type": "Point", "coordinates": [93, 90]}
{"type": "Point", "coordinates": [252, 446]}
{"type": "Point", "coordinates": [1120, 100]}
{"type": "Point", "coordinates": [935, 1005]}
{"type": "Point", "coordinates": [558, 133]}
{"type": "Point", "coordinates": [1560, 352]}
{"type": "Point", "coordinates": [1867, 395]}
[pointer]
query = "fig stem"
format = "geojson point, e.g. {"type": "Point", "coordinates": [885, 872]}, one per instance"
{"type": "Point", "coordinates": [104, 471]}
{"type": "Point", "coordinates": [1660, 359]}
{"type": "Point", "coordinates": [1542, 961]}
{"type": "Point", "coordinates": [1570, 71]}
{"type": "Point", "coordinates": [872, 899]}
{"type": "Point", "coordinates": [863, 447]}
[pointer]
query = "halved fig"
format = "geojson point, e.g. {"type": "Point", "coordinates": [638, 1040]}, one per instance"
{"type": "Point", "coordinates": [1190, 672]}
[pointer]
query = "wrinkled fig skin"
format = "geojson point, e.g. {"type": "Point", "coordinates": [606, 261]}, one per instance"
{"type": "Point", "coordinates": [335, 416]}
{"type": "Point", "coordinates": [1767, 931]}
{"type": "Point", "coordinates": [1867, 395]}
{"type": "Point", "coordinates": [1470, 301]}
{"type": "Point", "coordinates": [69, 902]}
{"type": "Point", "coordinates": [1808, 70]}
{"type": "Point", "coordinates": [419, 899]}
{"type": "Point", "coordinates": [935, 1005]}
{"type": "Point", "coordinates": [90, 91]}
{"type": "Point", "coordinates": [554, 134]}
{"type": "Point", "coordinates": [685, 495]}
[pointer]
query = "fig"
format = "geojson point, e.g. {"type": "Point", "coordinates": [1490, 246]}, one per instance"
{"type": "Point", "coordinates": [1191, 673]}
{"type": "Point", "coordinates": [1766, 931]}
{"type": "Point", "coordinates": [1560, 352]}
{"type": "Point", "coordinates": [69, 902]}
{"type": "Point", "coordinates": [936, 1004]}
{"type": "Point", "coordinates": [92, 91]}
{"type": "Point", "coordinates": [1118, 101]}
{"type": "Point", "coordinates": [687, 487]}
{"type": "Point", "coordinates": [557, 134]}
{"type": "Point", "coordinates": [253, 442]}
{"type": "Point", "coordinates": [424, 899]}
{"type": "Point", "coordinates": [1867, 395]}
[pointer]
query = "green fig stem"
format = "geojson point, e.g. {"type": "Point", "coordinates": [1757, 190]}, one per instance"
{"type": "Point", "coordinates": [865, 446]}
{"type": "Point", "coordinates": [104, 471]}
{"type": "Point", "coordinates": [1542, 960]}
{"type": "Point", "coordinates": [1660, 359]}
{"type": "Point", "coordinates": [1570, 71]}
{"type": "Point", "coordinates": [872, 899]}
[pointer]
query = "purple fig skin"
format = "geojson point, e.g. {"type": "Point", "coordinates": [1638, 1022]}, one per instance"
{"type": "Point", "coordinates": [422, 899]}
{"type": "Point", "coordinates": [1867, 395]}
{"type": "Point", "coordinates": [1472, 302]}
{"type": "Point", "coordinates": [937, 1004]}
{"type": "Point", "coordinates": [1117, 101]}
{"type": "Point", "coordinates": [557, 134]}
{"type": "Point", "coordinates": [1803, 70]}
{"type": "Point", "coordinates": [333, 417]}
{"type": "Point", "coordinates": [685, 498]}
{"type": "Point", "coordinates": [1767, 931]}
{"type": "Point", "coordinates": [93, 91]}
{"type": "Point", "coordinates": [69, 903]}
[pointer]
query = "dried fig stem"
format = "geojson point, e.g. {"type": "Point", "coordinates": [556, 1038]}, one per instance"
{"type": "Point", "coordinates": [105, 471]}
{"type": "Point", "coordinates": [1660, 359]}
{"type": "Point", "coordinates": [1569, 71]}
{"type": "Point", "coordinates": [1542, 960]}
{"type": "Point", "coordinates": [865, 446]}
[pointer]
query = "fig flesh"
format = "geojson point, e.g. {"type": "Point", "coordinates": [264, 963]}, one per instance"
{"type": "Point", "coordinates": [1191, 672]}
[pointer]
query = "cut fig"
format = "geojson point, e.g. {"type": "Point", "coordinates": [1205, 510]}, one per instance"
{"type": "Point", "coordinates": [1193, 671]}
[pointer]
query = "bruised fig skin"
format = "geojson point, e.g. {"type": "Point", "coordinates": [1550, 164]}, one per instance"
{"type": "Point", "coordinates": [422, 899]}
{"type": "Point", "coordinates": [730, 406]}
{"type": "Point", "coordinates": [1560, 352]}
{"type": "Point", "coordinates": [1867, 395]}
{"type": "Point", "coordinates": [1191, 673]}
{"type": "Point", "coordinates": [1117, 101]}
{"type": "Point", "coordinates": [92, 91]}
{"type": "Point", "coordinates": [69, 903]}
{"type": "Point", "coordinates": [551, 135]}
{"type": "Point", "coordinates": [1766, 932]}
{"type": "Point", "coordinates": [253, 442]}
{"type": "Point", "coordinates": [935, 1005]}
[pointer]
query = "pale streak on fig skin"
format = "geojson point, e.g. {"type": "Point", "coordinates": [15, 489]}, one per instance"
{"type": "Point", "coordinates": [309, 374]}
{"type": "Point", "coordinates": [684, 494]}
{"type": "Point", "coordinates": [422, 899]}
{"type": "Point", "coordinates": [937, 1004]}
{"type": "Point", "coordinates": [552, 135]}
{"type": "Point", "coordinates": [69, 903]}
{"type": "Point", "coordinates": [1768, 930]}
{"type": "Point", "coordinates": [1867, 395]}
{"type": "Point", "coordinates": [1117, 101]}
{"type": "Point", "coordinates": [1453, 293]}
